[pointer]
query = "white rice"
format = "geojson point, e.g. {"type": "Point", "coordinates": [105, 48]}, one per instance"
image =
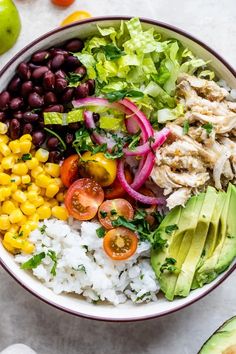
{"type": "Point", "coordinates": [84, 268]}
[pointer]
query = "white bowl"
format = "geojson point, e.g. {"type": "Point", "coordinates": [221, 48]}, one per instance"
{"type": "Point", "coordinates": [75, 304]}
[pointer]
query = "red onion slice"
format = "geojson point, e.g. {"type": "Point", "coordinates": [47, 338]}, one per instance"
{"type": "Point", "coordinates": [134, 194]}
{"type": "Point", "coordinates": [97, 101]}
{"type": "Point", "coordinates": [144, 170]}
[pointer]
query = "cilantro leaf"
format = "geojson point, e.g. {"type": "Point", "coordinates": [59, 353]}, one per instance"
{"type": "Point", "coordinates": [53, 256]}
{"type": "Point", "coordinates": [186, 127]}
{"type": "Point", "coordinates": [26, 157]}
{"type": "Point", "coordinates": [208, 127]}
{"type": "Point", "coordinates": [74, 78]}
{"type": "Point", "coordinates": [168, 265]}
{"type": "Point", "coordinates": [42, 229]}
{"type": "Point", "coordinates": [34, 262]}
{"type": "Point", "coordinates": [170, 228]}
{"type": "Point", "coordinates": [119, 95]}
{"type": "Point", "coordinates": [100, 232]}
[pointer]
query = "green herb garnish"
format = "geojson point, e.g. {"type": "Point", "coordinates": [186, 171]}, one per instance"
{"type": "Point", "coordinates": [26, 157]}
{"type": "Point", "coordinates": [101, 232]}
{"type": "Point", "coordinates": [63, 144]}
{"type": "Point", "coordinates": [119, 95]}
{"type": "Point", "coordinates": [53, 256]}
{"type": "Point", "coordinates": [42, 229]}
{"type": "Point", "coordinates": [208, 127]}
{"type": "Point", "coordinates": [169, 265]}
{"type": "Point", "coordinates": [74, 79]}
{"type": "Point", "coordinates": [170, 228]}
{"type": "Point", "coordinates": [103, 214]}
{"type": "Point", "coordinates": [34, 262]}
{"type": "Point", "coordinates": [186, 127]}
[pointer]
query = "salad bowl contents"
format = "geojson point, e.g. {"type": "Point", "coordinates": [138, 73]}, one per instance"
{"type": "Point", "coordinates": [118, 170]}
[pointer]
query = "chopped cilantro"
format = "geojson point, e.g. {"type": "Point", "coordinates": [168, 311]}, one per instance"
{"type": "Point", "coordinates": [142, 297]}
{"type": "Point", "coordinates": [100, 232]}
{"type": "Point", "coordinates": [81, 268]}
{"type": "Point", "coordinates": [13, 180]}
{"type": "Point", "coordinates": [208, 127]}
{"type": "Point", "coordinates": [168, 265]}
{"type": "Point", "coordinates": [26, 157]}
{"type": "Point", "coordinates": [53, 256]}
{"type": "Point", "coordinates": [119, 95]}
{"type": "Point", "coordinates": [42, 229]}
{"type": "Point", "coordinates": [34, 261]}
{"type": "Point", "coordinates": [186, 127]}
{"type": "Point", "coordinates": [74, 79]}
{"type": "Point", "coordinates": [103, 214]}
{"type": "Point", "coordinates": [170, 228]}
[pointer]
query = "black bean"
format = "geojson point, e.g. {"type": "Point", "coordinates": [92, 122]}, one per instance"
{"type": "Point", "coordinates": [38, 90]}
{"type": "Point", "coordinates": [74, 126]}
{"type": "Point", "coordinates": [59, 74]}
{"type": "Point", "coordinates": [67, 95]}
{"type": "Point", "coordinates": [15, 84]}
{"type": "Point", "coordinates": [72, 63]}
{"type": "Point", "coordinates": [26, 88]}
{"type": "Point", "coordinates": [2, 117]}
{"type": "Point", "coordinates": [33, 66]}
{"type": "Point", "coordinates": [81, 70]}
{"type": "Point", "coordinates": [4, 100]}
{"type": "Point", "coordinates": [52, 143]}
{"type": "Point", "coordinates": [38, 137]}
{"type": "Point", "coordinates": [69, 138]}
{"type": "Point", "coordinates": [55, 108]}
{"type": "Point", "coordinates": [82, 90]}
{"type": "Point", "coordinates": [50, 98]}
{"type": "Point", "coordinates": [23, 71]}
{"type": "Point", "coordinates": [39, 57]}
{"type": "Point", "coordinates": [54, 156]}
{"type": "Point", "coordinates": [27, 128]}
{"type": "Point", "coordinates": [16, 103]}
{"type": "Point", "coordinates": [60, 85]}
{"type": "Point", "coordinates": [41, 124]}
{"type": "Point", "coordinates": [96, 117]}
{"type": "Point", "coordinates": [35, 101]}
{"type": "Point", "coordinates": [91, 85]}
{"type": "Point", "coordinates": [49, 81]}
{"type": "Point", "coordinates": [39, 72]}
{"type": "Point", "coordinates": [57, 51]}
{"type": "Point", "coordinates": [14, 129]}
{"type": "Point", "coordinates": [30, 117]}
{"type": "Point", "coordinates": [74, 45]}
{"type": "Point", "coordinates": [18, 115]}
{"type": "Point", "coordinates": [57, 61]}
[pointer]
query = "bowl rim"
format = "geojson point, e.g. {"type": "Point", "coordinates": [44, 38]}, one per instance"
{"type": "Point", "coordinates": [155, 23]}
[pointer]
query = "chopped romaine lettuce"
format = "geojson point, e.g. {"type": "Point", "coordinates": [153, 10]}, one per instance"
{"type": "Point", "coordinates": [74, 116]}
{"type": "Point", "coordinates": [112, 123]}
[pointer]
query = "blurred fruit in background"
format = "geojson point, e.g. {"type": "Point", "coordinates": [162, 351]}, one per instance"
{"type": "Point", "coordinates": [63, 2]}
{"type": "Point", "coordinates": [10, 25]}
{"type": "Point", "coordinates": [75, 16]}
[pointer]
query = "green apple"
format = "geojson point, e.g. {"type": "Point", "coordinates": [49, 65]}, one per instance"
{"type": "Point", "coordinates": [10, 25]}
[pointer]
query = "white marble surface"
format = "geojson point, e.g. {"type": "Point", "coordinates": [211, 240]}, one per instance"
{"type": "Point", "coordinates": [48, 331]}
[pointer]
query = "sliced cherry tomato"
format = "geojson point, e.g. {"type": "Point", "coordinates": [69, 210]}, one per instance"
{"type": "Point", "coordinates": [110, 210]}
{"type": "Point", "coordinates": [120, 243]}
{"type": "Point", "coordinates": [98, 167]}
{"type": "Point", "coordinates": [75, 16]}
{"type": "Point", "coordinates": [63, 2]}
{"type": "Point", "coordinates": [70, 170]}
{"type": "Point", "coordinates": [83, 199]}
{"type": "Point", "coordinates": [115, 190]}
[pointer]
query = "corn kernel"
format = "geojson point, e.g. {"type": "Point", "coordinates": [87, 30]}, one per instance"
{"type": "Point", "coordinates": [33, 217]}
{"type": "Point", "coordinates": [26, 179]}
{"type": "Point", "coordinates": [52, 202]}
{"type": "Point", "coordinates": [16, 179]}
{"type": "Point", "coordinates": [32, 224]}
{"type": "Point", "coordinates": [14, 228]}
{"type": "Point", "coordinates": [4, 222]}
{"type": "Point", "coordinates": [33, 163]}
{"type": "Point", "coordinates": [42, 180]}
{"type": "Point", "coordinates": [20, 169]}
{"type": "Point", "coordinates": [4, 139]}
{"type": "Point", "coordinates": [5, 192]}
{"type": "Point", "coordinates": [60, 197]}
{"type": "Point", "coordinates": [43, 192]}
{"type": "Point", "coordinates": [16, 216]}
{"type": "Point", "coordinates": [3, 128]}
{"type": "Point", "coordinates": [39, 201]}
{"type": "Point", "coordinates": [7, 207]}
{"type": "Point", "coordinates": [60, 213]}
{"type": "Point", "coordinates": [28, 247]}
{"type": "Point", "coordinates": [25, 146]}
{"type": "Point", "coordinates": [1, 168]}
{"type": "Point", "coordinates": [8, 246]}
{"type": "Point", "coordinates": [28, 208]}
{"type": "Point", "coordinates": [42, 155]}
{"type": "Point", "coordinates": [4, 149]}
{"type": "Point", "coordinates": [26, 137]}
{"type": "Point", "coordinates": [52, 169]}
{"type": "Point", "coordinates": [19, 196]}
{"type": "Point", "coordinates": [4, 178]}
{"type": "Point", "coordinates": [23, 220]}
{"type": "Point", "coordinates": [52, 190]}
{"type": "Point", "coordinates": [44, 212]}
{"type": "Point", "coordinates": [13, 187]}
{"type": "Point", "coordinates": [8, 162]}
{"type": "Point", "coordinates": [34, 188]}
{"type": "Point", "coordinates": [58, 182]}
{"type": "Point", "coordinates": [25, 230]}
{"type": "Point", "coordinates": [36, 171]}
{"type": "Point", "coordinates": [15, 146]}
{"type": "Point", "coordinates": [18, 242]}
{"type": "Point", "coordinates": [32, 196]}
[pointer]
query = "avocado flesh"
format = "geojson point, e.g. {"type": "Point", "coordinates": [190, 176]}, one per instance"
{"type": "Point", "coordinates": [208, 272]}
{"type": "Point", "coordinates": [185, 278]}
{"type": "Point", "coordinates": [223, 341]}
{"type": "Point", "coordinates": [181, 242]}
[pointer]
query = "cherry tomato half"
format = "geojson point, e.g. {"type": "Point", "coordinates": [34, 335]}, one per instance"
{"type": "Point", "coordinates": [63, 2]}
{"type": "Point", "coordinates": [75, 16]}
{"type": "Point", "coordinates": [120, 243]}
{"type": "Point", "coordinates": [110, 210]}
{"type": "Point", "coordinates": [98, 167]}
{"type": "Point", "coordinates": [83, 199]}
{"type": "Point", "coordinates": [70, 170]}
{"type": "Point", "coordinates": [115, 190]}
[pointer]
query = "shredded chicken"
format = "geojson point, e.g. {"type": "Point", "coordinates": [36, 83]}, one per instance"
{"type": "Point", "coordinates": [206, 153]}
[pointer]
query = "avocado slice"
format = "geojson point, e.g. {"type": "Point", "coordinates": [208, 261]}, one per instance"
{"type": "Point", "coordinates": [223, 341]}
{"type": "Point", "coordinates": [185, 278]}
{"type": "Point", "coordinates": [207, 272]}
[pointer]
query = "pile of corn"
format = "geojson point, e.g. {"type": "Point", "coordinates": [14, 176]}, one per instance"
{"type": "Point", "coordinates": [30, 190]}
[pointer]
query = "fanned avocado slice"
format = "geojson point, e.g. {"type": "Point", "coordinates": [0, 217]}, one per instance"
{"type": "Point", "coordinates": [223, 341]}
{"type": "Point", "coordinates": [207, 272]}
{"type": "Point", "coordinates": [185, 278]}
